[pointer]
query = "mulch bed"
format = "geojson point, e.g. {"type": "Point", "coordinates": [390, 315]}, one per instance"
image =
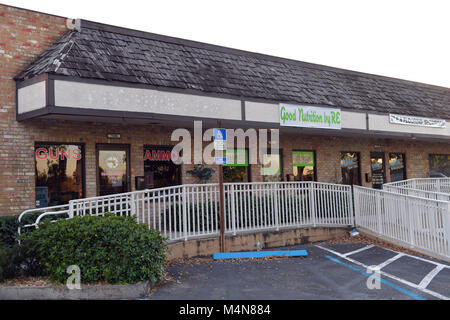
{"type": "Point", "coordinates": [41, 282]}
{"type": "Point", "coordinates": [28, 282]}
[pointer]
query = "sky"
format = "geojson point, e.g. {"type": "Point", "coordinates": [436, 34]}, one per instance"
{"type": "Point", "coordinates": [402, 39]}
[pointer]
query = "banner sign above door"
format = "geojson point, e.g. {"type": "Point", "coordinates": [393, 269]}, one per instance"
{"type": "Point", "coordinates": [310, 117]}
{"type": "Point", "coordinates": [416, 121]}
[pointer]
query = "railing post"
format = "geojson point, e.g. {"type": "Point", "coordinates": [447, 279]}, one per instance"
{"type": "Point", "coordinates": [185, 214]}
{"type": "Point", "coordinates": [378, 210]}
{"type": "Point", "coordinates": [233, 210]}
{"type": "Point", "coordinates": [446, 225]}
{"type": "Point", "coordinates": [356, 200]}
{"type": "Point", "coordinates": [351, 204]}
{"type": "Point", "coordinates": [275, 198]}
{"type": "Point", "coordinates": [312, 203]}
{"type": "Point", "coordinates": [133, 206]}
{"type": "Point", "coordinates": [410, 213]}
{"type": "Point", "coordinates": [71, 209]}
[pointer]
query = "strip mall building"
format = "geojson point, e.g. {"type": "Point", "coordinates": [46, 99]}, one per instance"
{"type": "Point", "coordinates": [88, 109]}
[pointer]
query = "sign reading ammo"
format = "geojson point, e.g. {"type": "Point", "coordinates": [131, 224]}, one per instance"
{"type": "Point", "coordinates": [310, 117]}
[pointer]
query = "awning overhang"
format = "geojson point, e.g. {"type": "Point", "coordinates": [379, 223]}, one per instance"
{"type": "Point", "coordinates": [66, 98]}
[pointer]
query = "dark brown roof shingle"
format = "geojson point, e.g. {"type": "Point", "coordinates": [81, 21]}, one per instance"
{"type": "Point", "coordinates": [116, 54]}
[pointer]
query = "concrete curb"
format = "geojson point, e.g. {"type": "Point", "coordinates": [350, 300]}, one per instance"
{"type": "Point", "coordinates": [87, 292]}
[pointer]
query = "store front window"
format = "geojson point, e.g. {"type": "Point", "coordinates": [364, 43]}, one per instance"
{"type": "Point", "coordinates": [237, 167]}
{"type": "Point", "coordinates": [59, 173]}
{"type": "Point", "coordinates": [159, 169]}
{"type": "Point", "coordinates": [304, 167]}
{"type": "Point", "coordinates": [440, 164]}
{"type": "Point", "coordinates": [351, 174]}
{"type": "Point", "coordinates": [272, 167]}
{"type": "Point", "coordinates": [397, 167]}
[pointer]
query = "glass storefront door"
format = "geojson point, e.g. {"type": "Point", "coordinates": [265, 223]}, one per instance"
{"type": "Point", "coordinates": [378, 169]}
{"type": "Point", "coordinates": [113, 169]}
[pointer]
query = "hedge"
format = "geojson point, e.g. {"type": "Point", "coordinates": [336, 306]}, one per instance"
{"type": "Point", "coordinates": [110, 248]}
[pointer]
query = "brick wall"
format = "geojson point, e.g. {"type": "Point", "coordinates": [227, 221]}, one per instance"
{"type": "Point", "coordinates": [25, 34]}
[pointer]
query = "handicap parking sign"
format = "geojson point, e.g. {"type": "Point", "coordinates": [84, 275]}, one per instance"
{"type": "Point", "coordinates": [220, 138]}
{"type": "Point", "coordinates": [220, 160]}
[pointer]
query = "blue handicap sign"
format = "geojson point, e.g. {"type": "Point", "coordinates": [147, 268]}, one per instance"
{"type": "Point", "coordinates": [220, 160]}
{"type": "Point", "coordinates": [220, 134]}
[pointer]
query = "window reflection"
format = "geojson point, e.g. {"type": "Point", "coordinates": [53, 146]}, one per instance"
{"type": "Point", "coordinates": [271, 167]}
{"type": "Point", "coordinates": [303, 165]}
{"type": "Point", "coordinates": [159, 169]}
{"type": "Point", "coordinates": [397, 167]}
{"type": "Point", "coordinates": [440, 164]}
{"type": "Point", "coordinates": [237, 168]}
{"type": "Point", "coordinates": [59, 174]}
{"type": "Point", "coordinates": [112, 165]}
{"type": "Point", "coordinates": [350, 168]}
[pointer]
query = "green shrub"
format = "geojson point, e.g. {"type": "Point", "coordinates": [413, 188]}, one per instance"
{"type": "Point", "coordinates": [3, 261]}
{"type": "Point", "coordinates": [18, 260]}
{"type": "Point", "coordinates": [111, 248]}
{"type": "Point", "coordinates": [8, 230]}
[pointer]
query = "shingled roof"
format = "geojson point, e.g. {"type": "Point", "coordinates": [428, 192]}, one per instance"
{"type": "Point", "coordinates": [116, 54]}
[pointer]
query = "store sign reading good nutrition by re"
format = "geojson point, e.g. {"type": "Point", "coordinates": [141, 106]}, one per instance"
{"type": "Point", "coordinates": [309, 117]}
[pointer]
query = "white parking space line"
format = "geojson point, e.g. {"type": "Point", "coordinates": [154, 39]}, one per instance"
{"type": "Point", "coordinates": [426, 281]}
{"type": "Point", "coordinates": [421, 259]}
{"type": "Point", "coordinates": [384, 264]}
{"type": "Point", "coordinates": [359, 250]}
{"type": "Point", "coordinates": [406, 282]}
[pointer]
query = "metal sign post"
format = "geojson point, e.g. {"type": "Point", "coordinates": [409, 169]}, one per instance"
{"type": "Point", "coordinates": [222, 212]}
{"type": "Point", "coordinates": [220, 138]}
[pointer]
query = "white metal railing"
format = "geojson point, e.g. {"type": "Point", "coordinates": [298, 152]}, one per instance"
{"type": "Point", "coordinates": [425, 184]}
{"type": "Point", "coordinates": [429, 188]}
{"type": "Point", "coordinates": [189, 211]}
{"type": "Point", "coordinates": [416, 221]}
{"type": "Point", "coordinates": [39, 213]}
{"type": "Point", "coordinates": [275, 205]}
{"type": "Point", "coordinates": [418, 193]}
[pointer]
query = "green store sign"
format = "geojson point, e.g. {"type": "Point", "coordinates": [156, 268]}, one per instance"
{"type": "Point", "coordinates": [310, 117]}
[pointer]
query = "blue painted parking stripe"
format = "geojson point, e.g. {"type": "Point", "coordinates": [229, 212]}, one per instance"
{"type": "Point", "coordinates": [392, 285]}
{"type": "Point", "coordinates": [259, 254]}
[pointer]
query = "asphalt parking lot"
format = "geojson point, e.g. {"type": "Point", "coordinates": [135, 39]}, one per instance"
{"type": "Point", "coordinates": [338, 271]}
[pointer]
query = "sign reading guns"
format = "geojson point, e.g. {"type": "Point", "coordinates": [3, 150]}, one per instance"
{"type": "Point", "coordinates": [309, 117]}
